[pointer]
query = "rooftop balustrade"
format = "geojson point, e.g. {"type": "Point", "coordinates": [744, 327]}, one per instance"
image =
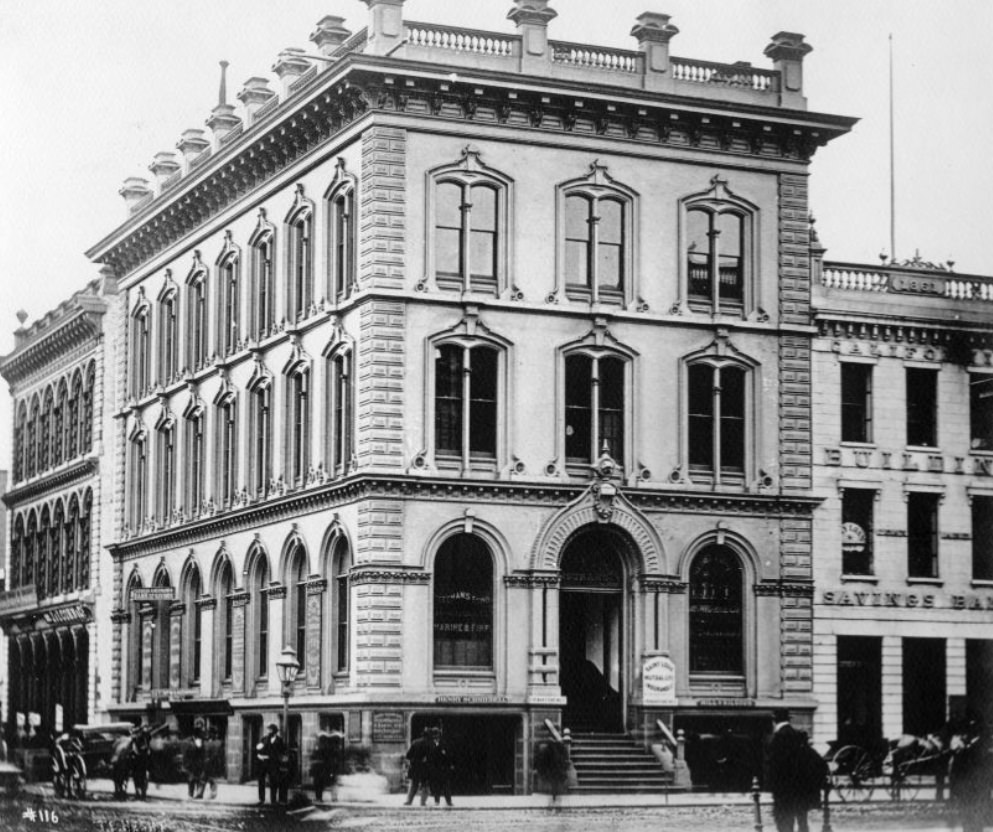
{"type": "Point", "coordinates": [907, 280]}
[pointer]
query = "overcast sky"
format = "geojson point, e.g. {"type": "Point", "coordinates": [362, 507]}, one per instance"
{"type": "Point", "coordinates": [90, 91]}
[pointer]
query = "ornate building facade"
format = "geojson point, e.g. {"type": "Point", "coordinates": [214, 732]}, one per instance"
{"type": "Point", "coordinates": [903, 400]}
{"type": "Point", "coordinates": [52, 601]}
{"type": "Point", "coordinates": [343, 312]}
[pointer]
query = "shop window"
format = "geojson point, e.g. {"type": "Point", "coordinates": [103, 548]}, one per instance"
{"type": "Point", "coordinates": [55, 548]}
{"type": "Point", "coordinates": [982, 538]}
{"type": "Point", "coordinates": [20, 442]}
{"type": "Point", "coordinates": [716, 421]}
{"type": "Point", "coordinates": [922, 407]}
{"type": "Point", "coordinates": [981, 411]}
{"type": "Point", "coordinates": [595, 407]}
{"type": "Point", "coordinates": [924, 689]}
{"type": "Point", "coordinates": [716, 633]}
{"type": "Point", "coordinates": [463, 604]}
{"type": "Point", "coordinates": [860, 699]}
{"type": "Point", "coordinates": [856, 531]}
{"type": "Point", "coordinates": [465, 403]}
{"type": "Point", "coordinates": [856, 402]}
{"type": "Point", "coordinates": [922, 534]}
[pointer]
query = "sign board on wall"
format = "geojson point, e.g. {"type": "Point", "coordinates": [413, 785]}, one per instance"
{"type": "Point", "coordinates": [153, 593]}
{"type": "Point", "coordinates": [387, 726]}
{"type": "Point", "coordinates": [658, 681]}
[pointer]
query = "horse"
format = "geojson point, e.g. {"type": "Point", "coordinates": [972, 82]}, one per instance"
{"type": "Point", "coordinates": [911, 757]}
{"type": "Point", "coordinates": [129, 760]}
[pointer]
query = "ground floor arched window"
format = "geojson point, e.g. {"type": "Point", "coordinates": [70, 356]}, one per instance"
{"type": "Point", "coordinates": [716, 612]}
{"type": "Point", "coordinates": [463, 603]}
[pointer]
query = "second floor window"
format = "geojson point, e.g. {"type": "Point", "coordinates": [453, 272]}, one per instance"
{"type": "Point", "coordinates": [168, 337]}
{"type": "Point", "coordinates": [343, 233]}
{"type": "Point", "coordinates": [227, 451]}
{"type": "Point", "coordinates": [263, 287]}
{"type": "Point", "coordinates": [982, 538]}
{"type": "Point", "coordinates": [466, 235]}
{"type": "Point", "coordinates": [856, 402]}
{"type": "Point", "coordinates": [139, 482]}
{"type": "Point", "coordinates": [594, 407]}
{"type": "Point", "coordinates": [595, 234]}
{"type": "Point", "coordinates": [466, 402]}
{"type": "Point", "coordinates": [298, 420]}
{"type": "Point", "coordinates": [340, 407]}
{"type": "Point", "coordinates": [229, 308]}
{"type": "Point", "coordinates": [196, 320]}
{"type": "Point", "coordinates": [981, 411]}
{"type": "Point", "coordinates": [300, 271]}
{"type": "Point", "coordinates": [922, 407]}
{"type": "Point", "coordinates": [922, 535]}
{"type": "Point", "coordinates": [856, 531]}
{"type": "Point", "coordinates": [194, 462]}
{"type": "Point", "coordinates": [715, 258]}
{"type": "Point", "coordinates": [261, 433]}
{"type": "Point", "coordinates": [166, 453]}
{"type": "Point", "coordinates": [140, 352]}
{"type": "Point", "coordinates": [716, 429]}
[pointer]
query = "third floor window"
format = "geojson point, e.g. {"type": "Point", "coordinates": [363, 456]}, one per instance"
{"type": "Point", "coordinates": [922, 407]}
{"type": "Point", "coordinates": [594, 407]}
{"type": "Point", "coordinates": [856, 402]}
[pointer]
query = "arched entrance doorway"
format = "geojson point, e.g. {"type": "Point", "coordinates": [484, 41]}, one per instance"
{"type": "Point", "coordinates": [591, 631]}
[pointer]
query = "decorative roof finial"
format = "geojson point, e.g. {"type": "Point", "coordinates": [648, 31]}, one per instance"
{"type": "Point", "coordinates": [22, 316]}
{"type": "Point", "coordinates": [222, 97]}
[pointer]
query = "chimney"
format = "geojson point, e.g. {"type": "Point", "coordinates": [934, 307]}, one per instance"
{"type": "Point", "coordinates": [163, 166]}
{"type": "Point", "coordinates": [385, 31]}
{"type": "Point", "coordinates": [21, 333]}
{"type": "Point", "coordinates": [531, 19]}
{"type": "Point", "coordinates": [134, 191]}
{"type": "Point", "coordinates": [653, 32]}
{"type": "Point", "coordinates": [191, 144]}
{"type": "Point", "coordinates": [329, 35]}
{"type": "Point", "coordinates": [253, 95]}
{"type": "Point", "coordinates": [290, 65]}
{"type": "Point", "coordinates": [222, 118]}
{"type": "Point", "coordinates": [787, 51]}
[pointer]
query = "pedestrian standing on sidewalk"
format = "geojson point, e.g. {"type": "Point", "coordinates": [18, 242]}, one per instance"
{"type": "Point", "coordinates": [269, 753]}
{"type": "Point", "coordinates": [789, 802]}
{"type": "Point", "coordinates": [551, 762]}
{"type": "Point", "coordinates": [418, 771]}
{"type": "Point", "coordinates": [972, 778]}
{"type": "Point", "coordinates": [213, 764]}
{"type": "Point", "coordinates": [440, 767]}
{"type": "Point", "coordinates": [194, 760]}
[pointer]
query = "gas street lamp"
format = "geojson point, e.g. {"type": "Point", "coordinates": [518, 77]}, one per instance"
{"type": "Point", "coordinates": [287, 668]}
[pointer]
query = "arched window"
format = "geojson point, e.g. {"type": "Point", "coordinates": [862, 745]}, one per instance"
{"type": "Point", "coordinates": [259, 609]}
{"type": "Point", "coordinates": [224, 633]}
{"type": "Point", "coordinates": [340, 605]}
{"type": "Point", "coordinates": [132, 642]}
{"type": "Point", "coordinates": [296, 619]}
{"type": "Point", "coordinates": [41, 547]}
{"type": "Point", "coordinates": [227, 449]}
{"type": "Point", "coordinates": [85, 538]}
{"type": "Point", "coordinates": [260, 456]}
{"type": "Point", "coordinates": [263, 294]}
{"type": "Point", "coordinates": [168, 332]}
{"type": "Point", "coordinates": [160, 635]}
{"type": "Point", "coordinates": [229, 298]}
{"type": "Point", "coordinates": [716, 612]}
{"type": "Point", "coordinates": [196, 316]}
{"type": "Point", "coordinates": [595, 407]}
{"type": "Point", "coordinates": [194, 472]}
{"type": "Point", "coordinates": [300, 263]}
{"type": "Point", "coordinates": [138, 481]}
{"type": "Point", "coordinates": [70, 559]}
{"type": "Point", "coordinates": [33, 427]}
{"type": "Point", "coordinates": [716, 431]}
{"type": "Point", "coordinates": [20, 443]}
{"type": "Point", "coordinates": [56, 549]}
{"type": "Point", "coordinates": [342, 235]}
{"type": "Point", "coordinates": [298, 425]}
{"type": "Point", "coordinates": [339, 412]}
{"type": "Point", "coordinates": [17, 552]}
{"type": "Point", "coordinates": [192, 635]}
{"type": "Point", "coordinates": [463, 603]}
{"type": "Point", "coordinates": [58, 424]}
{"type": "Point", "coordinates": [30, 544]}
{"type": "Point", "coordinates": [86, 418]}
{"type": "Point", "coordinates": [140, 354]}
{"type": "Point", "coordinates": [166, 479]}
{"type": "Point", "coordinates": [45, 438]}
{"type": "Point", "coordinates": [72, 416]}
{"type": "Point", "coordinates": [466, 383]}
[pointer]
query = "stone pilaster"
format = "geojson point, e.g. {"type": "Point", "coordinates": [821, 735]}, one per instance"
{"type": "Point", "coordinates": [239, 603]}
{"type": "Point", "coordinates": [382, 218]}
{"type": "Point", "coordinates": [175, 644]}
{"type": "Point", "coordinates": [380, 377]}
{"type": "Point", "coordinates": [313, 663]}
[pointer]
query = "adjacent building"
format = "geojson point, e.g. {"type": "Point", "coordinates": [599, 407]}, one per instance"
{"type": "Point", "coordinates": [475, 368]}
{"type": "Point", "coordinates": [59, 374]}
{"type": "Point", "coordinates": [903, 555]}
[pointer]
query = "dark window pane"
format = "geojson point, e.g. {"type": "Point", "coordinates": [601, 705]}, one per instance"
{"type": "Point", "coordinates": [922, 535]}
{"type": "Point", "coordinates": [698, 253]}
{"type": "Point", "coordinates": [578, 407]}
{"type": "Point", "coordinates": [922, 407]}
{"type": "Point", "coordinates": [856, 531]}
{"type": "Point", "coordinates": [463, 603]}
{"type": "Point", "coordinates": [982, 538]}
{"type": "Point", "coordinates": [448, 399]}
{"type": "Point", "coordinates": [483, 400]}
{"type": "Point", "coordinates": [701, 416]}
{"type": "Point", "coordinates": [856, 410]}
{"type": "Point", "coordinates": [716, 644]}
{"type": "Point", "coordinates": [732, 419]}
{"type": "Point", "coordinates": [981, 411]}
{"type": "Point", "coordinates": [612, 407]}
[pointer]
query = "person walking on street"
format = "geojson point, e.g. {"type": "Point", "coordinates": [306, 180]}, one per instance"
{"type": "Point", "coordinates": [324, 764]}
{"type": "Point", "coordinates": [194, 761]}
{"type": "Point", "coordinates": [789, 802]}
{"type": "Point", "coordinates": [270, 753]}
{"type": "Point", "coordinates": [971, 779]}
{"type": "Point", "coordinates": [551, 763]}
{"type": "Point", "coordinates": [419, 772]}
{"type": "Point", "coordinates": [440, 766]}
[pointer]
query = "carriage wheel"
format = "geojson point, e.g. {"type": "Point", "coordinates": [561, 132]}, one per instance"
{"type": "Point", "coordinates": [908, 786]}
{"type": "Point", "coordinates": [853, 780]}
{"type": "Point", "coordinates": [77, 780]}
{"type": "Point", "coordinates": [59, 782]}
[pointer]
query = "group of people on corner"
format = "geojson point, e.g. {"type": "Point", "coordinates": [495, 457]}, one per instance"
{"type": "Point", "coordinates": [201, 763]}
{"type": "Point", "coordinates": [275, 765]}
{"type": "Point", "coordinates": [430, 767]}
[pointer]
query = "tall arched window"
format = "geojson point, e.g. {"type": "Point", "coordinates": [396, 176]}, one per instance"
{"type": "Point", "coordinates": [85, 539]}
{"type": "Point", "coordinates": [86, 417]}
{"type": "Point", "coordinates": [141, 350]}
{"type": "Point", "coordinates": [716, 429]}
{"type": "Point", "coordinates": [70, 559]}
{"type": "Point", "coordinates": [196, 317]}
{"type": "Point", "coordinates": [263, 290]}
{"type": "Point", "coordinates": [45, 439]}
{"type": "Point", "coordinates": [341, 614]}
{"type": "Point", "coordinates": [595, 407]}
{"type": "Point", "coordinates": [17, 552]}
{"type": "Point", "coordinates": [30, 544]}
{"type": "Point", "coordinates": [716, 632]}
{"type": "Point", "coordinates": [224, 632]}
{"type": "Point", "coordinates": [463, 603]}
{"type": "Point", "coordinates": [466, 383]}
{"type": "Point", "coordinates": [342, 235]}
{"type": "Point", "coordinates": [56, 549]}
{"type": "Point", "coordinates": [58, 424]}
{"type": "Point", "coordinates": [259, 609]}
{"type": "Point", "coordinates": [20, 443]}
{"type": "Point", "coordinates": [229, 299]}
{"type": "Point", "coordinates": [160, 635]}
{"type": "Point", "coordinates": [260, 456]}
{"type": "Point", "coordinates": [227, 449]}
{"type": "Point", "coordinates": [41, 547]}
{"type": "Point", "coordinates": [298, 425]}
{"type": "Point", "coordinates": [296, 585]}
{"type": "Point", "coordinates": [33, 429]}
{"type": "Point", "coordinates": [166, 479]}
{"type": "Point", "coordinates": [195, 474]}
{"type": "Point", "coordinates": [138, 481]}
{"type": "Point", "coordinates": [72, 416]}
{"type": "Point", "coordinates": [168, 333]}
{"type": "Point", "coordinates": [339, 446]}
{"type": "Point", "coordinates": [300, 262]}
{"type": "Point", "coordinates": [192, 635]}
{"type": "Point", "coordinates": [132, 640]}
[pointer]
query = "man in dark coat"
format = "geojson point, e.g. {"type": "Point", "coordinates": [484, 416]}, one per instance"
{"type": "Point", "coordinates": [551, 763]}
{"type": "Point", "coordinates": [790, 803]}
{"type": "Point", "coordinates": [440, 766]}
{"type": "Point", "coordinates": [194, 762]}
{"type": "Point", "coordinates": [971, 779]}
{"type": "Point", "coordinates": [419, 772]}
{"type": "Point", "coordinates": [271, 753]}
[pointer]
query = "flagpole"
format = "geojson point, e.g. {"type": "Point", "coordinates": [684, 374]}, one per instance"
{"type": "Point", "coordinates": [892, 166]}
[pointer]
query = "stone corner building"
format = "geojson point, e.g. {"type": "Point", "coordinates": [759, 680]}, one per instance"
{"type": "Point", "coordinates": [475, 367]}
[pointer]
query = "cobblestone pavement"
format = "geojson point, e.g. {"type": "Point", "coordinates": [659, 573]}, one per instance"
{"type": "Point", "coordinates": [103, 815]}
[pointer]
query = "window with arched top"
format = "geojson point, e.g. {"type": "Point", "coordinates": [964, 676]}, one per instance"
{"type": "Point", "coordinates": [224, 626]}
{"type": "Point", "coordinates": [20, 442]}
{"type": "Point", "coordinates": [71, 554]}
{"type": "Point", "coordinates": [595, 406]}
{"type": "Point", "coordinates": [197, 326]}
{"type": "Point", "coordinates": [140, 354]}
{"type": "Point", "coordinates": [85, 539]}
{"type": "Point", "coordinates": [466, 402]}
{"type": "Point", "coordinates": [342, 234]}
{"type": "Point", "coordinates": [463, 603]}
{"type": "Point", "coordinates": [298, 425]}
{"type": "Point", "coordinates": [296, 602]}
{"type": "Point", "coordinates": [160, 636]}
{"type": "Point", "coordinates": [339, 412]}
{"type": "Point", "coordinates": [56, 549]}
{"type": "Point", "coordinates": [194, 467]}
{"type": "Point", "coordinates": [137, 481]}
{"type": "Point", "coordinates": [716, 612]}
{"type": "Point", "coordinates": [34, 420]}
{"type": "Point", "coordinates": [30, 550]}
{"type": "Point", "coordinates": [227, 449]}
{"type": "Point", "coordinates": [45, 434]}
{"type": "Point", "coordinates": [168, 334]}
{"type": "Point", "coordinates": [72, 431]}
{"type": "Point", "coordinates": [299, 257]}
{"type": "Point", "coordinates": [192, 628]}
{"type": "Point", "coordinates": [262, 292]}
{"type": "Point", "coordinates": [469, 210]}
{"type": "Point", "coordinates": [228, 299]}
{"type": "Point", "coordinates": [165, 453]}
{"type": "Point", "coordinates": [17, 552]}
{"type": "Point", "coordinates": [42, 548]}
{"type": "Point", "coordinates": [258, 607]}
{"type": "Point", "coordinates": [260, 451]}
{"type": "Point", "coordinates": [58, 423]}
{"type": "Point", "coordinates": [86, 414]}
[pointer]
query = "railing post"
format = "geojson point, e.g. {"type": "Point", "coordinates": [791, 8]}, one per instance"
{"type": "Point", "coordinates": [756, 799]}
{"type": "Point", "coordinates": [532, 18]}
{"type": "Point", "coordinates": [826, 826]}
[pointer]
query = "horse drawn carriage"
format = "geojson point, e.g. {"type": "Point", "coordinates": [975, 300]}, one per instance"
{"type": "Point", "coordinates": [118, 750]}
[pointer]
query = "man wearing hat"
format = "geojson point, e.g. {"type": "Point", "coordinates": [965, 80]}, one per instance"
{"type": "Point", "coordinates": [269, 753]}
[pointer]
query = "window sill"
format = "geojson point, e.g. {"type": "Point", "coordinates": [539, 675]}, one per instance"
{"type": "Point", "coordinates": [471, 671]}
{"type": "Point", "coordinates": [981, 583]}
{"type": "Point", "coordinates": [851, 443]}
{"type": "Point", "coordinates": [864, 579]}
{"type": "Point", "coordinates": [924, 449]}
{"type": "Point", "coordinates": [983, 452]}
{"type": "Point", "coordinates": [911, 581]}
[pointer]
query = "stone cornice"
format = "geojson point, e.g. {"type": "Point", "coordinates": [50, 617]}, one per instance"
{"type": "Point", "coordinates": [671, 586]}
{"type": "Point", "coordinates": [530, 580]}
{"type": "Point", "coordinates": [901, 329]}
{"type": "Point", "coordinates": [359, 84]}
{"type": "Point", "coordinates": [785, 589]}
{"type": "Point", "coordinates": [48, 483]}
{"type": "Point", "coordinates": [383, 575]}
{"type": "Point", "coordinates": [320, 497]}
{"type": "Point", "coordinates": [85, 325]}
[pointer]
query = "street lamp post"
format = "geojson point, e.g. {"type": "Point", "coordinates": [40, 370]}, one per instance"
{"type": "Point", "coordinates": [287, 667]}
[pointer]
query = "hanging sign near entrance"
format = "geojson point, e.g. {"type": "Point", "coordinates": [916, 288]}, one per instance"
{"type": "Point", "coordinates": [388, 726]}
{"type": "Point", "coordinates": [153, 593]}
{"type": "Point", "coordinates": [658, 681]}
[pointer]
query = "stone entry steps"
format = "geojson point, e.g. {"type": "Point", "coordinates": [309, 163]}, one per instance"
{"type": "Point", "coordinates": [612, 763]}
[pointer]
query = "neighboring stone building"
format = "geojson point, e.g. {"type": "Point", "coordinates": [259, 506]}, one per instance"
{"type": "Point", "coordinates": [903, 416]}
{"type": "Point", "coordinates": [474, 367]}
{"type": "Point", "coordinates": [58, 376]}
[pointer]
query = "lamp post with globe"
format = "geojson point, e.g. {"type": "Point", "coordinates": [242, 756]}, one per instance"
{"type": "Point", "coordinates": [287, 667]}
